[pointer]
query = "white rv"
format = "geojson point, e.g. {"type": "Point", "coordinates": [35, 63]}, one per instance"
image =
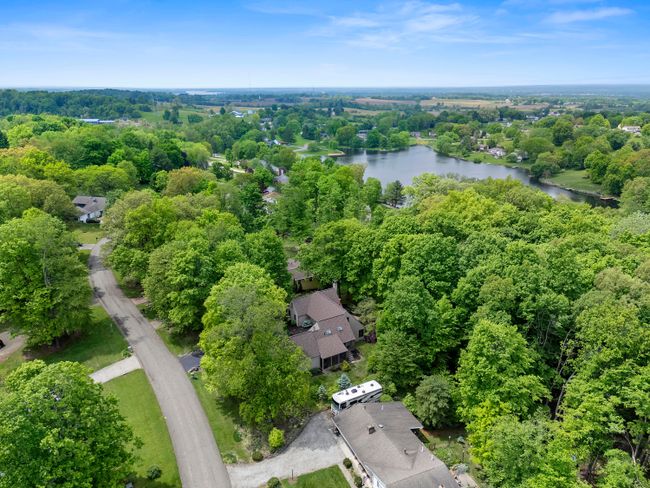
{"type": "Point", "coordinates": [367, 392]}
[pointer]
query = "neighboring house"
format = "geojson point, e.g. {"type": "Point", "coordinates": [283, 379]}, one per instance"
{"type": "Point", "coordinates": [632, 129]}
{"type": "Point", "coordinates": [382, 438]}
{"type": "Point", "coordinates": [497, 152]}
{"type": "Point", "coordinates": [90, 208]}
{"type": "Point", "coordinates": [271, 197]}
{"type": "Point", "coordinates": [302, 280]}
{"type": "Point", "coordinates": [333, 331]}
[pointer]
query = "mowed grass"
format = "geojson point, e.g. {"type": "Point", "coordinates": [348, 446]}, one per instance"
{"type": "Point", "coordinates": [100, 345]}
{"type": "Point", "coordinates": [139, 406]}
{"type": "Point", "coordinates": [223, 423]}
{"type": "Point", "coordinates": [178, 344]}
{"type": "Point", "coordinates": [331, 477]}
{"type": "Point", "coordinates": [576, 179]}
{"type": "Point", "coordinates": [87, 233]}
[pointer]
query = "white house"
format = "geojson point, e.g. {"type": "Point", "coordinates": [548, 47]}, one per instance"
{"type": "Point", "coordinates": [632, 129]}
{"type": "Point", "coordinates": [90, 208]}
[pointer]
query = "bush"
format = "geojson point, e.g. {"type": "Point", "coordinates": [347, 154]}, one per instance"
{"type": "Point", "coordinates": [357, 481]}
{"type": "Point", "coordinates": [257, 456]}
{"type": "Point", "coordinates": [229, 458]}
{"type": "Point", "coordinates": [345, 366]}
{"type": "Point", "coordinates": [273, 483]}
{"type": "Point", "coordinates": [276, 438]}
{"type": "Point", "coordinates": [347, 463]}
{"type": "Point", "coordinates": [236, 436]}
{"type": "Point", "coordinates": [154, 472]}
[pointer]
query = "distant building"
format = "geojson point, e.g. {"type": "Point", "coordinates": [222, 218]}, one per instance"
{"type": "Point", "coordinates": [332, 332]}
{"type": "Point", "coordinates": [97, 121]}
{"type": "Point", "coordinates": [90, 208]}
{"type": "Point", "coordinates": [497, 152]}
{"type": "Point", "coordinates": [632, 129]}
{"type": "Point", "coordinates": [237, 114]}
{"type": "Point", "coordinates": [382, 438]}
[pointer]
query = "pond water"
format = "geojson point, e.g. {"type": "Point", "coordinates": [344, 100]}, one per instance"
{"type": "Point", "coordinates": [405, 165]}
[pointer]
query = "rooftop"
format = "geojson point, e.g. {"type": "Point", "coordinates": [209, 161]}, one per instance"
{"type": "Point", "coordinates": [381, 436]}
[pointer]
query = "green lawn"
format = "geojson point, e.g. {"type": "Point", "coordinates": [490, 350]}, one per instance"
{"type": "Point", "coordinates": [576, 179]}
{"type": "Point", "coordinates": [331, 477]}
{"type": "Point", "coordinates": [176, 343]}
{"type": "Point", "coordinates": [139, 406]}
{"type": "Point", "coordinates": [157, 115]}
{"type": "Point", "coordinates": [99, 346]}
{"type": "Point", "coordinates": [223, 423]}
{"type": "Point", "coordinates": [102, 344]}
{"type": "Point", "coordinates": [86, 233]}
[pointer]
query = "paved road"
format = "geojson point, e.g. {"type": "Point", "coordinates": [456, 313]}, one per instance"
{"type": "Point", "coordinates": [117, 369]}
{"type": "Point", "coordinates": [315, 448]}
{"type": "Point", "coordinates": [197, 455]}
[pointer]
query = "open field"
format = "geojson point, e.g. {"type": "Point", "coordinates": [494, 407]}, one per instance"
{"type": "Point", "coordinates": [139, 406]}
{"type": "Point", "coordinates": [331, 477]}
{"type": "Point", "coordinates": [157, 114]}
{"type": "Point", "coordinates": [469, 103]}
{"type": "Point", "coordinates": [86, 233]}
{"type": "Point", "coordinates": [575, 179]}
{"type": "Point", "coordinates": [223, 423]}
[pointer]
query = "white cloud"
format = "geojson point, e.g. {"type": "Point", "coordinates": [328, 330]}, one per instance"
{"type": "Point", "coordinates": [396, 24]}
{"type": "Point", "coordinates": [568, 17]}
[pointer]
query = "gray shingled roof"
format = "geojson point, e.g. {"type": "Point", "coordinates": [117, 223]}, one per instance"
{"type": "Point", "coordinates": [393, 452]}
{"type": "Point", "coordinates": [89, 204]}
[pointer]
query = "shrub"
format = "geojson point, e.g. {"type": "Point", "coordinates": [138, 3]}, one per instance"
{"type": "Point", "coordinates": [236, 436]}
{"type": "Point", "coordinates": [257, 456]}
{"type": "Point", "coordinates": [344, 382]}
{"type": "Point", "coordinates": [273, 483]}
{"type": "Point", "coordinates": [345, 366]}
{"type": "Point", "coordinates": [229, 458]}
{"type": "Point", "coordinates": [154, 472]}
{"type": "Point", "coordinates": [357, 481]}
{"type": "Point", "coordinates": [276, 438]}
{"type": "Point", "coordinates": [347, 463]}
{"type": "Point", "coordinates": [322, 393]}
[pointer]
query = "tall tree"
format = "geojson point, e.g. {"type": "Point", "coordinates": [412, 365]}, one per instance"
{"type": "Point", "coordinates": [45, 292]}
{"type": "Point", "coordinates": [248, 356]}
{"type": "Point", "coordinates": [58, 429]}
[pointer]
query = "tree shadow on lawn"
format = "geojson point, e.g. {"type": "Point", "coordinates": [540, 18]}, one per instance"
{"type": "Point", "coordinates": [141, 482]}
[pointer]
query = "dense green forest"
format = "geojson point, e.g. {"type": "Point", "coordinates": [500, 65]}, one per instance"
{"type": "Point", "coordinates": [523, 319]}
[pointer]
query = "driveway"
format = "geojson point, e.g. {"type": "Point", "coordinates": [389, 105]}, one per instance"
{"type": "Point", "coordinates": [12, 344]}
{"type": "Point", "coordinates": [315, 448]}
{"type": "Point", "coordinates": [117, 369]}
{"type": "Point", "coordinates": [197, 455]}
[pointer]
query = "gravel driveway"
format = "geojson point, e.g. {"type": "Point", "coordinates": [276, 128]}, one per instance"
{"type": "Point", "coordinates": [315, 448]}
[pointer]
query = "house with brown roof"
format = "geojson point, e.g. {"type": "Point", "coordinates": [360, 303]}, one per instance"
{"type": "Point", "coordinates": [382, 438]}
{"type": "Point", "coordinates": [332, 330]}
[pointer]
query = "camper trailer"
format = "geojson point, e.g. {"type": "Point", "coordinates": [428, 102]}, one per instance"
{"type": "Point", "coordinates": [367, 392]}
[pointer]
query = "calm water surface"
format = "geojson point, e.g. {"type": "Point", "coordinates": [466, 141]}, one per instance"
{"type": "Point", "coordinates": [405, 165]}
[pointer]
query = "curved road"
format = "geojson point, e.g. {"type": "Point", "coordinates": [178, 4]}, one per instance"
{"type": "Point", "coordinates": [197, 455]}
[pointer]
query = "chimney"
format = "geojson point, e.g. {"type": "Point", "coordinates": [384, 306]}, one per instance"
{"type": "Point", "coordinates": [371, 429]}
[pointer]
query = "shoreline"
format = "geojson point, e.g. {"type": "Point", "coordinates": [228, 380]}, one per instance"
{"type": "Point", "coordinates": [545, 181]}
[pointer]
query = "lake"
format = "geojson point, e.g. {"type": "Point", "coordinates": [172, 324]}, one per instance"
{"type": "Point", "coordinates": [405, 165]}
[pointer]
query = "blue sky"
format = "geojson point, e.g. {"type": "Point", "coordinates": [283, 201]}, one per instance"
{"type": "Point", "coordinates": [260, 43]}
